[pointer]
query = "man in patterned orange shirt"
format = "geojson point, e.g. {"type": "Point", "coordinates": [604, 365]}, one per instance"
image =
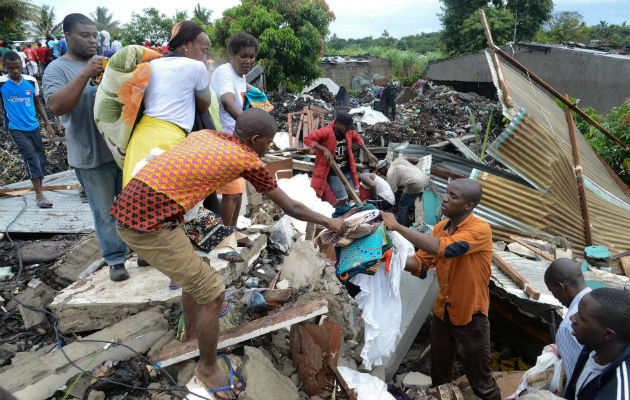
{"type": "Point", "coordinates": [150, 210]}
{"type": "Point", "coordinates": [460, 250]}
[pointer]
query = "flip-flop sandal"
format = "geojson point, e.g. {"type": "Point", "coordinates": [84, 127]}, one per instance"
{"type": "Point", "coordinates": [227, 368]}
{"type": "Point", "coordinates": [223, 256]}
{"type": "Point", "coordinates": [45, 203]}
{"type": "Point", "coordinates": [173, 287]}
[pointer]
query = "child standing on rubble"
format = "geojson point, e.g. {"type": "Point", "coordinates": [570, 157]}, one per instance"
{"type": "Point", "coordinates": [19, 96]}
{"type": "Point", "coordinates": [334, 142]}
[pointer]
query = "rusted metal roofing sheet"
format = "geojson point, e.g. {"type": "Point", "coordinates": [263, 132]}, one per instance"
{"type": "Point", "coordinates": [540, 105]}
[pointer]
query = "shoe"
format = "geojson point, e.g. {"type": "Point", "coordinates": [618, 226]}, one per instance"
{"type": "Point", "coordinates": [118, 272]}
{"type": "Point", "coordinates": [142, 262]}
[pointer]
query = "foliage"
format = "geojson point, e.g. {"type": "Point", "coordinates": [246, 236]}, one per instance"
{"type": "Point", "coordinates": [617, 122]}
{"type": "Point", "coordinates": [180, 15]}
{"type": "Point", "coordinates": [45, 24]}
{"type": "Point", "coordinates": [564, 26]}
{"type": "Point", "coordinates": [480, 155]}
{"type": "Point", "coordinates": [407, 66]}
{"type": "Point", "coordinates": [14, 17]}
{"type": "Point", "coordinates": [612, 35]}
{"type": "Point", "coordinates": [103, 20]}
{"type": "Point", "coordinates": [149, 25]}
{"type": "Point", "coordinates": [290, 34]}
{"type": "Point", "coordinates": [457, 15]}
{"type": "Point", "coordinates": [422, 43]}
{"type": "Point", "coordinates": [202, 14]}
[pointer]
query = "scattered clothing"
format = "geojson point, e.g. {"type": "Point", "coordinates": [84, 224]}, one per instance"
{"type": "Point", "coordinates": [256, 99]}
{"type": "Point", "coordinates": [207, 230]}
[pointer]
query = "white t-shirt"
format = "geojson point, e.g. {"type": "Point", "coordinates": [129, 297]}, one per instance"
{"type": "Point", "coordinates": [23, 58]}
{"type": "Point", "coordinates": [590, 371]}
{"type": "Point", "coordinates": [116, 45]}
{"type": "Point", "coordinates": [224, 80]}
{"type": "Point", "coordinates": [384, 190]}
{"type": "Point", "coordinates": [105, 38]}
{"type": "Point", "coordinates": [170, 95]}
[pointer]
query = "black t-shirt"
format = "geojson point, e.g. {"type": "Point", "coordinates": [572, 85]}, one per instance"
{"type": "Point", "coordinates": [341, 154]}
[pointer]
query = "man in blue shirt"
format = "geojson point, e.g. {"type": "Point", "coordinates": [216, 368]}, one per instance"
{"type": "Point", "coordinates": [63, 47]}
{"type": "Point", "coordinates": [19, 98]}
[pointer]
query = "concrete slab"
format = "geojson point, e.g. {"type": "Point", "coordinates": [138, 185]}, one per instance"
{"type": "Point", "coordinates": [77, 260]}
{"type": "Point", "coordinates": [96, 302]}
{"type": "Point", "coordinates": [418, 296]}
{"type": "Point", "coordinates": [39, 377]}
{"type": "Point", "coordinates": [231, 271]}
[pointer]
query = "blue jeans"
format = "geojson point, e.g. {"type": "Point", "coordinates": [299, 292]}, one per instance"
{"type": "Point", "coordinates": [406, 201]}
{"type": "Point", "coordinates": [102, 184]}
{"type": "Point", "coordinates": [338, 189]}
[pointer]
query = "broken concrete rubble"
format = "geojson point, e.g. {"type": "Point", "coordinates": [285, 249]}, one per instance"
{"type": "Point", "coordinates": [303, 265]}
{"type": "Point", "coordinates": [264, 381]}
{"type": "Point", "coordinates": [77, 259]}
{"type": "Point", "coordinates": [39, 378]}
{"type": "Point", "coordinates": [37, 294]}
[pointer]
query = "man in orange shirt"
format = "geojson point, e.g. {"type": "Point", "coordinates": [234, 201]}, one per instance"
{"type": "Point", "coordinates": [460, 250]}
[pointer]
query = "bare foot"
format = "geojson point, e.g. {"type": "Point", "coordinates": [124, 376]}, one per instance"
{"type": "Point", "coordinates": [215, 378]}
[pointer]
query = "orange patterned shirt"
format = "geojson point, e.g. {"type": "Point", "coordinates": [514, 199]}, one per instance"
{"type": "Point", "coordinates": [178, 179]}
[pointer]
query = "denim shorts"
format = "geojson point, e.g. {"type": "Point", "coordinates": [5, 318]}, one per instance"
{"type": "Point", "coordinates": [338, 189]}
{"type": "Point", "coordinates": [30, 146]}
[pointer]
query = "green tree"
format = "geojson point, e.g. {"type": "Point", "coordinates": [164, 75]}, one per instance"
{"type": "Point", "coordinates": [290, 33]}
{"type": "Point", "coordinates": [103, 19]}
{"type": "Point", "coordinates": [456, 14]}
{"type": "Point", "coordinates": [202, 14]}
{"type": "Point", "coordinates": [566, 26]}
{"type": "Point", "coordinates": [14, 16]}
{"type": "Point", "coordinates": [45, 24]}
{"type": "Point", "coordinates": [180, 15]}
{"type": "Point", "coordinates": [501, 23]}
{"type": "Point", "coordinates": [150, 25]}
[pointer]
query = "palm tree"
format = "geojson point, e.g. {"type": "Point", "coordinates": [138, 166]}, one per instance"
{"type": "Point", "coordinates": [45, 24]}
{"type": "Point", "coordinates": [103, 19]}
{"type": "Point", "coordinates": [15, 12]}
{"type": "Point", "coordinates": [202, 14]}
{"type": "Point", "coordinates": [180, 15]}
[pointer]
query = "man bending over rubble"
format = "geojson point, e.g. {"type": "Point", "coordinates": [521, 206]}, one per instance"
{"type": "Point", "coordinates": [150, 209]}
{"type": "Point", "coordinates": [460, 250]}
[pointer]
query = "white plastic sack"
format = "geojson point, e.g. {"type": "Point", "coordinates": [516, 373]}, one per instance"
{"type": "Point", "coordinates": [299, 188]}
{"type": "Point", "coordinates": [381, 306]}
{"type": "Point", "coordinates": [548, 359]}
{"type": "Point", "coordinates": [368, 387]}
{"type": "Point", "coordinates": [369, 117]}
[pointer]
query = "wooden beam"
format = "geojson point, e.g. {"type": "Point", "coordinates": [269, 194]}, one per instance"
{"type": "Point", "coordinates": [255, 328]}
{"type": "Point", "coordinates": [515, 276]}
{"type": "Point", "coordinates": [619, 255]}
{"type": "Point", "coordinates": [507, 99]}
{"type": "Point", "coordinates": [625, 264]}
{"type": "Point", "coordinates": [346, 184]}
{"type": "Point", "coordinates": [11, 191]}
{"type": "Point", "coordinates": [586, 219]}
{"type": "Point", "coordinates": [560, 97]}
{"type": "Point", "coordinates": [532, 248]}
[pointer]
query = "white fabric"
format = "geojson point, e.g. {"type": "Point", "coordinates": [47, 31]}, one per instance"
{"type": "Point", "coordinates": [23, 58]}
{"type": "Point", "coordinates": [381, 305]}
{"type": "Point", "coordinates": [170, 95]}
{"type": "Point", "coordinates": [405, 175]}
{"type": "Point", "coordinates": [116, 45]}
{"type": "Point", "coordinates": [568, 346]}
{"type": "Point", "coordinates": [105, 38]}
{"type": "Point", "coordinates": [549, 359]}
{"type": "Point", "coordinates": [225, 80]}
{"type": "Point", "coordinates": [384, 190]}
{"type": "Point", "coordinates": [368, 116]}
{"type": "Point", "coordinates": [368, 387]}
{"type": "Point", "coordinates": [300, 188]}
{"type": "Point", "coordinates": [591, 371]}
{"type": "Point", "coordinates": [31, 67]}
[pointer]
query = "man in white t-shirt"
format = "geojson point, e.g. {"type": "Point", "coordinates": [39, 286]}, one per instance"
{"type": "Point", "coordinates": [105, 40]}
{"type": "Point", "coordinates": [381, 194]}
{"type": "Point", "coordinates": [116, 45]}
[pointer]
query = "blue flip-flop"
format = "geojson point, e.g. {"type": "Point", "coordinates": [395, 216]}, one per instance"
{"type": "Point", "coordinates": [44, 203]}
{"type": "Point", "coordinates": [232, 374]}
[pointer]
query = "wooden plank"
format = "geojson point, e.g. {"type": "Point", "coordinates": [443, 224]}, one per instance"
{"type": "Point", "coordinates": [625, 264]}
{"type": "Point", "coordinates": [342, 177]}
{"type": "Point", "coordinates": [515, 276]}
{"type": "Point", "coordinates": [258, 327]}
{"type": "Point", "coordinates": [619, 255]}
{"type": "Point", "coordinates": [533, 248]}
{"type": "Point", "coordinates": [52, 187]}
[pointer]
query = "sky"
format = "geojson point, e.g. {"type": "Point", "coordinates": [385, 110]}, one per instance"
{"type": "Point", "coordinates": [354, 18]}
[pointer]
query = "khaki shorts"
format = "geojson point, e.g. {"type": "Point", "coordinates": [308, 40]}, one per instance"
{"type": "Point", "coordinates": [170, 251]}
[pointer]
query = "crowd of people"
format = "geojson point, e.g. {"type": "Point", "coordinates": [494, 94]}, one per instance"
{"type": "Point", "coordinates": [199, 136]}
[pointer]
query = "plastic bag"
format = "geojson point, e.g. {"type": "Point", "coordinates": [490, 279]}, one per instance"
{"type": "Point", "coordinates": [368, 387]}
{"type": "Point", "coordinates": [548, 360]}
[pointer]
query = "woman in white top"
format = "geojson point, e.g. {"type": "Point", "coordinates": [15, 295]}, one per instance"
{"type": "Point", "coordinates": [228, 81]}
{"type": "Point", "coordinates": [179, 82]}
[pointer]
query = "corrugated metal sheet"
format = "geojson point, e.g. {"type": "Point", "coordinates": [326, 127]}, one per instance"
{"type": "Point", "coordinates": [68, 215]}
{"type": "Point", "coordinates": [536, 145]}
